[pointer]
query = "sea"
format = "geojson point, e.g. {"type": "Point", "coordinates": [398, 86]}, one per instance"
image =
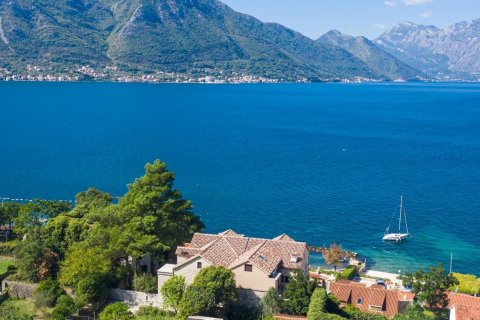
{"type": "Point", "coordinates": [323, 163]}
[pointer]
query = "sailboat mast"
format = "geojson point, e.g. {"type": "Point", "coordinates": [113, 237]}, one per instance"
{"type": "Point", "coordinates": [400, 217]}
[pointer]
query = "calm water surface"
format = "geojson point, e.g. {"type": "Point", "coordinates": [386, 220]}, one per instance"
{"type": "Point", "coordinates": [321, 162]}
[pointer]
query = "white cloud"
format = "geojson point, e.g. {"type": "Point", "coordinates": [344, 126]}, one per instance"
{"type": "Point", "coordinates": [379, 26]}
{"type": "Point", "coordinates": [416, 2]}
{"type": "Point", "coordinates": [426, 14]}
{"type": "Point", "coordinates": [391, 3]}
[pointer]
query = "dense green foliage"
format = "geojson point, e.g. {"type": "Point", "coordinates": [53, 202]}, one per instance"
{"type": "Point", "coordinates": [89, 248]}
{"type": "Point", "coordinates": [152, 313]}
{"type": "Point", "coordinates": [8, 312]}
{"type": "Point", "coordinates": [467, 283]}
{"type": "Point", "coordinates": [116, 311]}
{"type": "Point", "coordinates": [415, 312]}
{"type": "Point", "coordinates": [431, 286]}
{"type": "Point", "coordinates": [172, 292]}
{"type": "Point", "coordinates": [145, 283]}
{"type": "Point", "coordinates": [212, 292]}
{"type": "Point", "coordinates": [349, 273]}
{"type": "Point", "coordinates": [318, 304]}
{"type": "Point", "coordinates": [353, 313]}
{"type": "Point", "coordinates": [297, 293]}
{"type": "Point", "coordinates": [137, 35]}
{"type": "Point", "coordinates": [46, 293]}
{"type": "Point", "coordinates": [271, 303]}
{"type": "Point", "coordinates": [65, 307]}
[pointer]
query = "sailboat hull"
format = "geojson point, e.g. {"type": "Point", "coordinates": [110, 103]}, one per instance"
{"type": "Point", "coordinates": [395, 237]}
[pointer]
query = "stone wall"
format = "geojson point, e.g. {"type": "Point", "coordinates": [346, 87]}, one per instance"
{"type": "Point", "coordinates": [135, 298]}
{"type": "Point", "coordinates": [20, 290]}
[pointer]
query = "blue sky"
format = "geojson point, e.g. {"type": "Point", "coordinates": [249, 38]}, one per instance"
{"type": "Point", "coordinates": [357, 17]}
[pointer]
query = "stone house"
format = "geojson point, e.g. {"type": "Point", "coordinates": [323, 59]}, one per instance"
{"type": "Point", "coordinates": [258, 264]}
{"type": "Point", "coordinates": [375, 299]}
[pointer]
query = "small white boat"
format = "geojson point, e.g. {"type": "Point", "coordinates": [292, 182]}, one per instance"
{"type": "Point", "coordinates": [399, 236]}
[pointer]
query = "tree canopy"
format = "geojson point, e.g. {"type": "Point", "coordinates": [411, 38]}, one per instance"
{"type": "Point", "coordinates": [431, 286]}
{"type": "Point", "coordinates": [212, 291]}
{"type": "Point", "coordinates": [297, 293]}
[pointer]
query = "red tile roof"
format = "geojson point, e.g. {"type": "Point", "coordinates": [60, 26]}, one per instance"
{"type": "Point", "coordinates": [229, 249]}
{"type": "Point", "coordinates": [370, 299]}
{"type": "Point", "coordinates": [463, 299]}
{"type": "Point", "coordinates": [466, 307]}
{"type": "Point", "coordinates": [463, 312]}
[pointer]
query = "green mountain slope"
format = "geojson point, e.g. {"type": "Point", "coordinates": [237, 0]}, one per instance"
{"type": "Point", "coordinates": [374, 57]}
{"type": "Point", "coordinates": [186, 36]}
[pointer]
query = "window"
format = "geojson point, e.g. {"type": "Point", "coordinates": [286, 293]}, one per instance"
{"type": "Point", "coordinates": [248, 268]}
{"type": "Point", "coordinates": [359, 301]}
{"type": "Point", "coordinates": [199, 265]}
{"type": "Point", "coordinates": [285, 279]}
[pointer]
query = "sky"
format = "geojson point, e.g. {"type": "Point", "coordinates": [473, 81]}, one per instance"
{"type": "Point", "coordinates": [368, 18]}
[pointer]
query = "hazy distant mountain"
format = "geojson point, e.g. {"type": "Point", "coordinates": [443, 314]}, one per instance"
{"type": "Point", "coordinates": [374, 57]}
{"type": "Point", "coordinates": [167, 35]}
{"type": "Point", "coordinates": [448, 53]}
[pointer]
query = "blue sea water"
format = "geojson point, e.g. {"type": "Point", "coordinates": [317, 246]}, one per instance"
{"type": "Point", "coordinates": [321, 162]}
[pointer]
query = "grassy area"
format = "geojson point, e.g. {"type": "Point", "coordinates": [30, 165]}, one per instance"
{"type": "Point", "coordinates": [5, 262]}
{"type": "Point", "coordinates": [27, 306]}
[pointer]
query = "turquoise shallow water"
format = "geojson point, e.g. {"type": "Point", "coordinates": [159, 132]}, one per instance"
{"type": "Point", "coordinates": [321, 162]}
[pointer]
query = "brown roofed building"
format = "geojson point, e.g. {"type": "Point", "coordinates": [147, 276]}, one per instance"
{"type": "Point", "coordinates": [258, 264]}
{"type": "Point", "coordinates": [374, 299]}
{"type": "Point", "coordinates": [463, 306]}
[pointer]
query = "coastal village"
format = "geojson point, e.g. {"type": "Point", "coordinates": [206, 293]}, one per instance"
{"type": "Point", "coordinates": [114, 74]}
{"type": "Point", "coordinates": [99, 258]}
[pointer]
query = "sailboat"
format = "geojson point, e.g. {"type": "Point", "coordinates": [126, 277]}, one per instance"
{"type": "Point", "coordinates": [388, 236]}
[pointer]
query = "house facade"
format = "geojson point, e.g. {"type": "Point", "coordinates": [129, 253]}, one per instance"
{"type": "Point", "coordinates": [258, 264]}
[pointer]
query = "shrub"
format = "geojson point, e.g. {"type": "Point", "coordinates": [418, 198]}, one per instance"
{"type": "Point", "coordinates": [9, 312]}
{"type": "Point", "coordinates": [149, 312]}
{"type": "Point", "coordinates": [349, 273]}
{"type": "Point", "coordinates": [65, 307]}
{"type": "Point", "coordinates": [318, 304]}
{"type": "Point", "coordinates": [116, 311]}
{"type": "Point", "coordinates": [271, 303]}
{"type": "Point", "coordinates": [356, 314]}
{"type": "Point", "coordinates": [172, 292]}
{"type": "Point", "coordinates": [145, 283]}
{"type": "Point", "coordinates": [47, 293]}
{"type": "Point", "coordinates": [8, 248]}
{"type": "Point", "coordinates": [468, 283]}
{"type": "Point", "coordinates": [297, 293]}
{"type": "Point", "coordinates": [89, 290]}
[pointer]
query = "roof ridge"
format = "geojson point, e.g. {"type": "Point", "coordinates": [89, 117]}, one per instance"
{"type": "Point", "coordinates": [231, 248]}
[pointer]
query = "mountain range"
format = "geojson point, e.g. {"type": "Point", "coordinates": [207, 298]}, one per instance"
{"type": "Point", "coordinates": [192, 36]}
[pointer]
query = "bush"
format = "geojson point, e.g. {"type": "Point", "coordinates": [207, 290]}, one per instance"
{"type": "Point", "coordinates": [468, 283]}
{"type": "Point", "coordinates": [152, 313]}
{"type": "Point", "coordinates": [318, 304]}
{"type": "Point", "coordinates": [65, 307]}
{"type": "Point", "coordinates": [145, 283]}
{"type": "Point", "coordinates": [172, 292]}
{"type": "Point", "coordinates": [8, 248]}
{"type": "Point", "coordinates": [89, 290]}
{"type": "Point", "coordinates": [356, 314]}
{"type": "Point", "coordinates": [47, 293]}
{"type": "Point", "coordinates": [349, 273]}
{"type": "Point", "coordinates": [116, 311]}
{"type": "Point", "coordinates": [8, 312]}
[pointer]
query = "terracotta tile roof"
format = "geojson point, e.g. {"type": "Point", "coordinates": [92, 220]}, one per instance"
{"type": "Point", "coordinates": [466, 307]}
{"type": "Point", "coordinates": [463, 312]}
{"type": "Point", "coordinates": [463, 299]}
{"type": "Point", "coordinates": [283, 237]}
{"type": "Point", "coordinates": [370, 299]}
{"type": "Point", "coordinates": [229, 249]}
{"type": "Point", "coordinates": [288, 317]}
